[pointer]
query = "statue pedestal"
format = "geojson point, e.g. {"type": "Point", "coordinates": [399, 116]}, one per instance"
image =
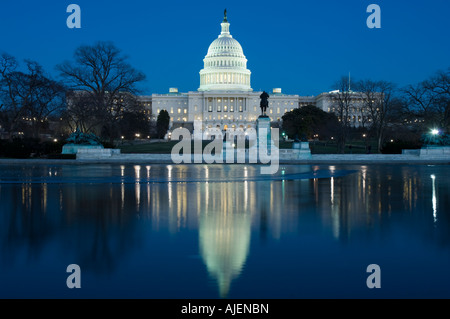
{"type": "Point", "coordinates": [263, 137]}
{"type": "Point", "coordinates": [304, 150]}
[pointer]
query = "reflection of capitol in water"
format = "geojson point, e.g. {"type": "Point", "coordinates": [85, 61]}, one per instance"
{"type": "Point", "coordinates": [224, 235]}
{"type": "Point", "coordinates": [224, 215]}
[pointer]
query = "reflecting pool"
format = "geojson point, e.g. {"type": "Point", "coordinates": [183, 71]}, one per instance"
{"type": "Point", "coordinates": [224, 231]}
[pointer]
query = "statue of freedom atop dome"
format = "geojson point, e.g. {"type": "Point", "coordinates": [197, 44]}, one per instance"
{"type": "Point", "coordinates": [264, 103]}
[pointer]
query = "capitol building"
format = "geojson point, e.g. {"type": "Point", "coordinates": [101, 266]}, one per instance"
{"type": "Point", "coordinates": [225, 99]}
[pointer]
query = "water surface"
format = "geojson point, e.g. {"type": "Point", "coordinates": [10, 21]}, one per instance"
{"type": "Point", "coordinates": [224, 231]}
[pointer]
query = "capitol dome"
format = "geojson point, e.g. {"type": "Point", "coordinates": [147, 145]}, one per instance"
{"type": "Point", "coordinates": [225, 65]}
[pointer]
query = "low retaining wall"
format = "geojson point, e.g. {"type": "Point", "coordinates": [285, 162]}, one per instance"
{"type": "Point", "coordinates": [115, 154]}
{"type": "Point", "coordinates": [285, 156]}
{"type": "Point", "coordinates": [440, 151]}
{"type": "Point", "coordinates": [100, 153]}
{"type": "Point", "coordinates": [443, 150]}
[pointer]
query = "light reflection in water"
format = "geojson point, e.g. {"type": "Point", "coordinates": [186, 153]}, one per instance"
{"type": "Point", "coordinates": [137, 171]}
{"type": "Point", "coordinates": [122, 185]}
{"type": "Point", "coordinates": [226, 215]}
{"type": "Point", "coordinates": [433, 197]}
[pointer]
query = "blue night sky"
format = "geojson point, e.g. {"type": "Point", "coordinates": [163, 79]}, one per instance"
{"type": "Point", "coordinates": [301, 46]}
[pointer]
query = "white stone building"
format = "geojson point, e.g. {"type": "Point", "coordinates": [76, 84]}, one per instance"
{"type": "Point", "coordinates": [225, 99]}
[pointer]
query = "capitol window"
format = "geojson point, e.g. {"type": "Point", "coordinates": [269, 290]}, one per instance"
{"type": "Point", "coordinates": [210, 108]}
{"type": "Point", "coordinates": [185, 111]}
{"type": "Point", "coordinates": [225, 108]}
{"type": "Point", "coordinates": [241, 109]}
{"type": "Point", "coordinates": [219, 108]}
{"type": "Point", "coordinates": [179, 110]}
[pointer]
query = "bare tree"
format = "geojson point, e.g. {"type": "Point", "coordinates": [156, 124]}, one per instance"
{"type": "Point", "coordinates": [46, 97]}
{"type": "Point", "coordinates": [429, 100]}
{"type": "Point", "coordinates": [28, 97]}
{"type": "Point", "coordinates": [342, 101]}
{"type": "Point", "coordinates": [439, 86]}
{"type": "Point", "coordinates": [8, 96]}
{"type": "Point", "coordinates": [102, 74]}
{"type": "Point", "coordinates": [377, 97]}
{"type": "Point", "coordinates": [421, 102]}
{"type": "Point", "coordinates": [80, 113]}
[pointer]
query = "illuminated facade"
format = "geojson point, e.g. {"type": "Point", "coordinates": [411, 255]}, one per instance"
{"type": "Point", "coordinates": [225, 99]}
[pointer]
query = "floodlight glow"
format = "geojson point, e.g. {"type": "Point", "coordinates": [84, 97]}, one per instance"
{"type": "Point", "coordinates": [434, 131]}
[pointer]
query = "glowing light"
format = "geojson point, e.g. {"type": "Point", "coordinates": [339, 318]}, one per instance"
{"type": "Point", "coordinates": [434, 131]}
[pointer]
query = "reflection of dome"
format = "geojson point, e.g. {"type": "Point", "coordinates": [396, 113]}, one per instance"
{"type": "Point", "coordinates": [224, 245]}
{"type": "Point", "coordinates": [225, 65]}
